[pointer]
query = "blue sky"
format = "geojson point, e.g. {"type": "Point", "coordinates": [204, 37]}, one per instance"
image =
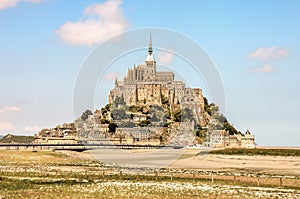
{"type": "Point", "coordinates": [254, 44]}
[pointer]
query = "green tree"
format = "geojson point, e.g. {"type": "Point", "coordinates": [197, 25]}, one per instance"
{"type": "Point", "coordinates": [86, 114]}
{"type": "Point", "coordinates": [144, 123]}
{"type": "Point", "coordinates": [164, 100]}
{"type": "Point", "coordinates": [112, 127]}
{"type": "Point", "coordinates": [119, 114]}
{"type": "Point", "coordinates": [187, 115]}
{"type": "Point", "coordinates": [119, 101]}
{"type": "Point", "coordinates": [177, 116]}
{"type": "Point", "coordinates": [184, 115]}
{"type": "Point", "coordinates": [104, 121]}
{"type": "Point", "coordinates": [155, 118]}
{"type": "Point", "coordinates": [128, 124]}
{"type": "Point", "coordinates": [230, 128]}
{"type": "Point", "coordinates": [222, 118]}
{"type": "Point", "coordinates": [207, 106]}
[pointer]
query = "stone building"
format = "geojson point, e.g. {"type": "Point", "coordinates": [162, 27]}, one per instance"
{"type": "Point", "coordinates": [222, 139]}
{"type": "Point", "coordinates": [143, 84]}
{"type": "Point", "coordinates": [219, 139]}
{"type": "Point", "coordinates": [247, 141]}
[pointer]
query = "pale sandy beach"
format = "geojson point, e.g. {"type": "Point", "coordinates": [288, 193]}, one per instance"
{"type": "Point", "coordinates": [263, 164]}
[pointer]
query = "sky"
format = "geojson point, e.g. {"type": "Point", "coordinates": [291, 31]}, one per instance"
{"type": "Point", "coordinates": [255, 46]}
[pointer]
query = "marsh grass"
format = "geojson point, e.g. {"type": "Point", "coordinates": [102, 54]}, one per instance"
{"type": "Point", "coordinates": [262, 152]}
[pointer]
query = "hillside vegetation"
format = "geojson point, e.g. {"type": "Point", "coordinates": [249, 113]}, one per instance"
{"type": "Point", "coordinates": [16, 139]}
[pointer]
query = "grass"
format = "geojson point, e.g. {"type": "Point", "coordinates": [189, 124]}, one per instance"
{"type": "Point", "coordinates": [114, 187]}
{"type": "Point", "coordinates": [26, 174]}
{"type": "Point", "coordinates": [262, 152]}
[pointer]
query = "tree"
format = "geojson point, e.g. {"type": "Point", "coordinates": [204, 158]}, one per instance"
{"type": "Point", "coordinates": [144, 123]}
{"type": "Point", "coordinates": [155, 118]}
{"type": "Point", "coordinates": [222, 118]}
{"type": "Point", "coordinates": [184, 115]}
{"type": "Point", "coordinates": [187, 114]}
{"type": "Point", "coordinates": [104, 121]}
{"type": "Point", "coordinates": [128, 124]}
{"type": "Point", "coordinates": [119, 101]}
{"type": "Point", "coordinates": [112, 127]}
{"type": "Point", "coordinates": [119, 114]}
{"type": "Point", "coordinates": [86, 114]}
{"type": "Point", "coordinates": [177, 116]}
{"type": "Point", "coordinates": [207, 106]}
{"type": "Point", "coordinates": [164, 100]}
{"type": "Point", "coordinates": [230, 128]}
{"type": "Point", "coordinates": [105, 109]}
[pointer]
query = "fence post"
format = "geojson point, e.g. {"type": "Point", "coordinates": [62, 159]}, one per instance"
{"type": "Point", "coordinates": [212, 178]}
{"type": "Point", "coordinates": [156, 175]}
{"type": "Point", "coordinates": [234, 179]}
{"type": "Point", "coordinates": [258, 181]}
{"type": "Point", "coordinates": [171, 176]}
{"type": "Point", "coordinates": [281, 182]}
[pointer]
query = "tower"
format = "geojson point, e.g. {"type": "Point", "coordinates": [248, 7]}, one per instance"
{"type": "Point", "coordinates": [150, 71]}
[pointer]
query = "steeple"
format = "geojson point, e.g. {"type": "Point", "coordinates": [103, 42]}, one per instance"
{"type": "Point", "coordinates": [150, 57]}
{"type": "Point", "coordinates": [150, 50]}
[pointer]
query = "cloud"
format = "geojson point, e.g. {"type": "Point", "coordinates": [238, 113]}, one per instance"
{"type": "Point", "coordinates": [111, 76]}
{"type": "Point", "coordinates": [109, 21]}
{"type": "Point", "coordinates": [11, 3]}
{"type": "Point", "coordinates": [271, 53]}
{"type": "Point", "coordinates": [6, 126]}
{"type": "Point", "coordinates": [165, 58]}
{"type": "Point", "coordinates": [10, 109]}
{"type": "Point", "coordinates": [265, 69]}
{"type": "Point", "coordinates": [32, 129]}
{"type": "Point", "coordinates": [9, 113]}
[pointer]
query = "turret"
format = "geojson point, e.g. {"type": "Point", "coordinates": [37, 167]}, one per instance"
{"type": "Point", "coordinates": [116, 82]}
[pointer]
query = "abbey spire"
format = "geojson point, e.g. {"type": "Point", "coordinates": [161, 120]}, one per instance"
{"type": "Point", "coordinates": [150, 56]}
{"type": "Point", "coordinates": [150, 50]}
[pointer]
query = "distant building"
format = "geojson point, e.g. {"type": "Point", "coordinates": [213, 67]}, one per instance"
{"type": "Point", "coordinates": [139, 133]}
{"type": "Point", "coordinates": [222, 139]}
{"type": "Point", "coordinates": [219, 139]}
{"type": "Point", "coordinates": [247, 141]}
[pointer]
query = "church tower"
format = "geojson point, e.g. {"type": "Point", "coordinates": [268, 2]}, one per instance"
{"type": "Point", "coordinates": [150, 71]}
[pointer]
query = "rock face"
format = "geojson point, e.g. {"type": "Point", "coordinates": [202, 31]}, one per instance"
{"type": "Point", "coordinates": [144, 85]}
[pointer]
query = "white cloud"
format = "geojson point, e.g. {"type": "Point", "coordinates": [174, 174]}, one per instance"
{"type": "Point", "coordinates": [6, 127]}
{"type": "Point", "coordinates": [165, 58]}
{"type": "Point", "coordinates": [8, 113]}
{"type": "Point", "coordinates": [11, 3]}
{"type": "Point", "coordinates": [10, 109]}
{"type": "Point", "coordinates": [109, 20]}
{"type": "Point", "coordinates": [271, 53]}
{"type": "Point", "coordinates": [265, 69]}
{"type": "Point", "coordinates": [111, 76]}
{"type": "Point", "coordinates": [32, 129]}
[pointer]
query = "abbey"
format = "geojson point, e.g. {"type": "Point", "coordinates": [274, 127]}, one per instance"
{"type": "Point", "coordinates": [143, 84]}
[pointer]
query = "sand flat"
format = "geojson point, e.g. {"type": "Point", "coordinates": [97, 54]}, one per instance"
{"type": "Point", "coordinates": [280, 165]}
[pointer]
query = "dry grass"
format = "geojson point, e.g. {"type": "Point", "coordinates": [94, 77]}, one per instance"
{"type": "Point", "coordinates": [27, 174]}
